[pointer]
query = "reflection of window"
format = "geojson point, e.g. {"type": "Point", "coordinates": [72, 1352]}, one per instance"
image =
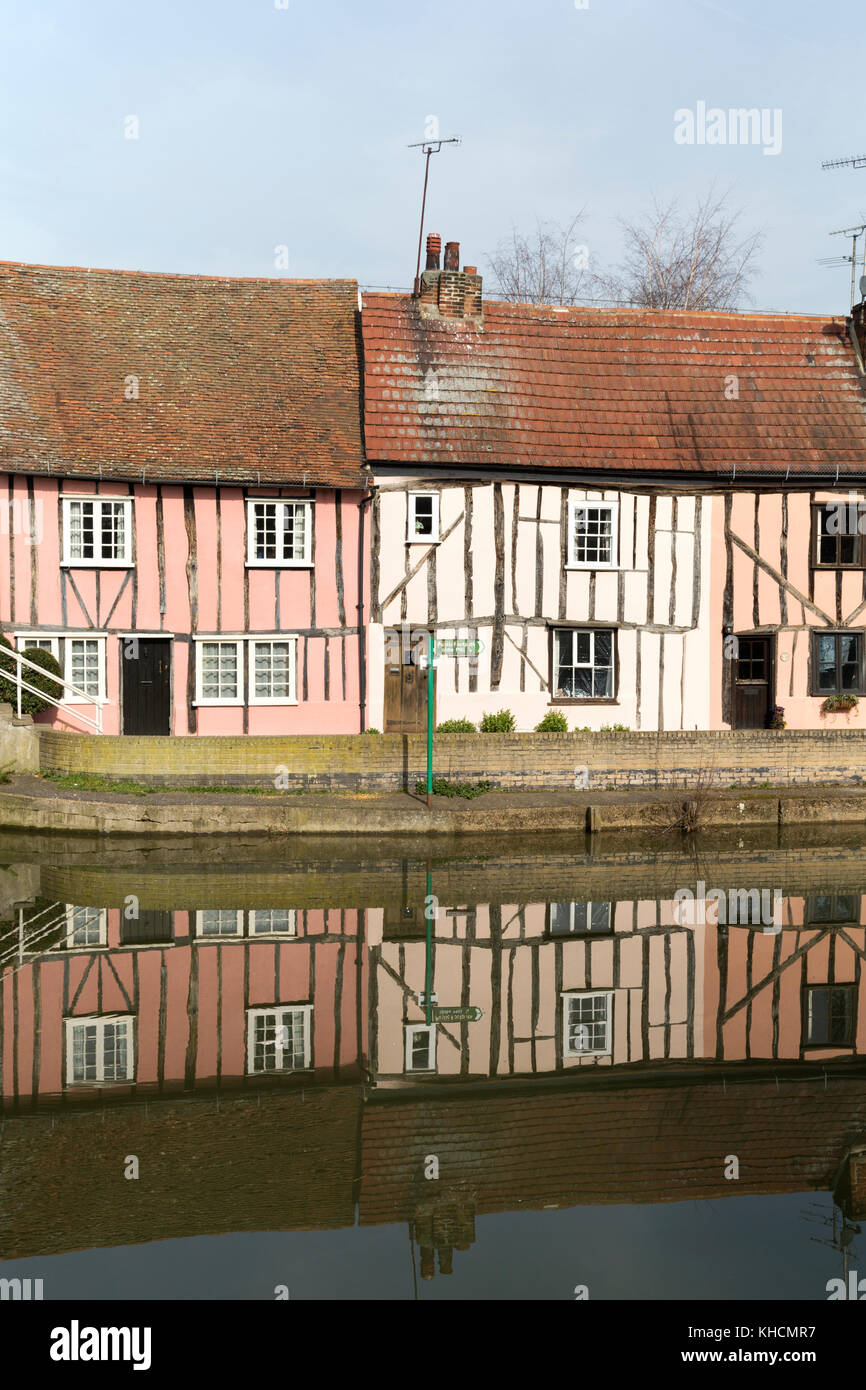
{"type": "Point", "coordinates": [583, 663]}
{"type": "Point", "coordinates": [573, 918]}
{"type": "Point", "coordinates": [587, 1024]}
{"type": "Point", "coordinates": [833, 907]}
{"type": "Point", "coordinates": [219, 922]}
{"type": "Point", "coordinates": [836, 542]}
{"type": "Point", "coordinates": [99, 1049]}
{"type": "Point", "coordinates": [423, 516]}
{"type": "Point", "coordinates": [830, 1015]}
{"type": "Point", "coordinates": [592, 535]}
{"type": "Point", "coordinates": [97, 531]}
{"type": "Point", "coordinates": [85, 926]}
{"type": "Point", "coordinates": [837, 663]}
{"type": "Point", "coordinates": [278, 1039]}
{"type": "Point", "coordinates": [279, 533]}
{"type": "Point", "coordinates": [420, 1047]}
{"type": "Point", "coordinates": [266, 921]}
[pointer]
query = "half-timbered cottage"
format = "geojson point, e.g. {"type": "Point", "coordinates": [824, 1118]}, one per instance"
{"type": "Point", "coordinates": [638, 517]}
{"type": "Point", "coordinates": [181, 498]}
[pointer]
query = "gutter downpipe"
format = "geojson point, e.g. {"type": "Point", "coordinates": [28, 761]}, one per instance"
{"type": "Point", "coordinates": [362, 633]}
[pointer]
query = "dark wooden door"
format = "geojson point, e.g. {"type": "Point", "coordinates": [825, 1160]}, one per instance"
{"type": "Point", "coordinates": [753, 682]}
{"type": "Point", "coordinates": [146, 673]}
{"type": "Point", "coordinates": [406, 699]}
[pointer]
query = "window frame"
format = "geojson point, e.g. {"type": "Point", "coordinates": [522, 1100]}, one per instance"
{"type": "Point", "coordinates": [220, 700]}
{"type": "Point", "coordinates": [607, 1049]}
{"type": "Point", "coordinates": [412, 537]}
{"type": "Point", "coordinates": [202, 935]}
{"type": "Point", "coordinates": [576, 504]}
{"type": "Point", "coordinates": [557, 628]}
{"type": "Point", "coordinates": [849, 988]}
{"type": "Point", "coordinates": [586, 932]}
{"type": "Point", "coordinates": [102, 922]}
{"type": "Point", "coordinates": [268, 639]}
{"type": "Point", "coordinates": [65, 662]}
{"type": "Point", "coordinates": [279, 1009]}
{"type": "Point", "coordinates": [68, 561]}
{"type": "Point", "coordinates": [22, 639]}
{"type": "Point", "coordinates": [101, 1020]}
{"type": "Point", "coordinates": [410, 1032]}
{"type": "Point", "coordinates": [817, 510]}
{"type": "Point", "coordinates": [814, 661]}
{"type": "Point", "coordinates": [280, 503]}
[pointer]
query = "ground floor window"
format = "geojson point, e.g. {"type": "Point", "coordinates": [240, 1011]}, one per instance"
{"type": "Point", "coordinates": [264, 921]}
{"type": "Point", "coordinates": [577, 919]}
{"type": "Point", "coordinates": [837, 663]}
{"type": "Point", "coordinates": [587, 1024]}
{"type": "Point", "coordinates": [99, 1049]}
{"type": "Point", "coordinates": [86, 926]}
{"type": "Point", "coordinates": [252, 670]}
{"type": "Point", "coordinates": [830, 1015]}
{"type": "Point", "coordinates": [82, 662]}
{"type": "Point", "coordinates": [278, 1039]}
{"type": "Point", "coordinates": [583, 663]}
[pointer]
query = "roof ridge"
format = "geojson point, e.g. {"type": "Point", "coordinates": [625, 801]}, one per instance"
{"type": "Point", "coordinates": [181, 275]}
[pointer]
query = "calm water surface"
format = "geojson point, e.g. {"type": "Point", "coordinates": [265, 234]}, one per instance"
{"type": "Point", "coordinates": [514, 1070]}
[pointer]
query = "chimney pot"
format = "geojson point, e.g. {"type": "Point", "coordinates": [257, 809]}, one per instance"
{"type": "Point", "coordinates": [470, 270]}
{"type": "Point", "coordinates": [452, 255]}
{"type": "Point", "coordinates": [434, 248]}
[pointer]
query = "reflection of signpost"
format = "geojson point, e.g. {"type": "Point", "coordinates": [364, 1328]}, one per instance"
{"type": "Point", "coordinates": [471, 1014]}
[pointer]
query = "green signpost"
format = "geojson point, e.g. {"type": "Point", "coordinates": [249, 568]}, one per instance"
{"type": "Point", "coordinates": [459, 646]}
{"type": "Point", "coordinates": [470, 1014]}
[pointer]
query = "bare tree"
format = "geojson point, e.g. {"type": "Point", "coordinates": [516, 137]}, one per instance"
{"type": "Point", "coordinates": [681, 260]}
{"type": "Point", "coordinates": [545, 267]}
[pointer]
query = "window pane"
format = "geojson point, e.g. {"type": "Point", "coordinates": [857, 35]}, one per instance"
{"type": "Point", "coordinates": [422, 512]}
{"type": "Point", "coordinates": [272, 670]}
{"type": "Point", "coordinates": [264, 530]}
{"type": "Point", "coordinates": [294, 530]}
{"type": "Point", "coordinates": [83, 664]}
{"type": "Point", "coordinates": [80, 530]}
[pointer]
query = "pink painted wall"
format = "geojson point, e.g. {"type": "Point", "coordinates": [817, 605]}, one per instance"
{"type": "Point", "coordinates": [35, 594]}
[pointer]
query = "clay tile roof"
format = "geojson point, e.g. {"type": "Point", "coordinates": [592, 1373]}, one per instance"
{"type": "Point", "coordinates": [240, 377]}
{"type": "Point", "coordinates": [611, 389]}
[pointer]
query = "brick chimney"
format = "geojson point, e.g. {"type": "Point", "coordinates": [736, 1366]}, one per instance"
{"type": "Point", "coordinates": [450, 293]}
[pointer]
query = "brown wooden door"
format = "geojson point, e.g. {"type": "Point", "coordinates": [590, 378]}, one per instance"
{"type": "Point", "coordinates": [753, 682]}
{"type": "Point", "coordinates": [406, 699]}
{"type": "Point", "coordinates": [146, 671]}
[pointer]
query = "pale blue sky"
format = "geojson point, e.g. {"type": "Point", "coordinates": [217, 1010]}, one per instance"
{"type": "Point", "coordinates": [260, 127]}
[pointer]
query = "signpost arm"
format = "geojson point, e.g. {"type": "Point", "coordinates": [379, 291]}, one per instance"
{"type": "Point", "coordinates": [430, 726]}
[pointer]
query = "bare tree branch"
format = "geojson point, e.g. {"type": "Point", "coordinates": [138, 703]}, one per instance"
{"type": "Point", "coordinates": [545, 267]}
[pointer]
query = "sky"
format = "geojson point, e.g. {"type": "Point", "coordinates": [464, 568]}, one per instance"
{"type": "Point", "coordinates": [270, 137]}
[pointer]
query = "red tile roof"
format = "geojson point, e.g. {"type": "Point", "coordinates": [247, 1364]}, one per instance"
{"type": "Point", "coordinates": [611, 389]}
{"type": "Point", "coordinates": [239, 377]}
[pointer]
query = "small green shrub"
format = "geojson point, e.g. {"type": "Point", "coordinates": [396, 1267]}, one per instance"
{"type": "Point", "coordinates": [500, 723]}
{"type": "Point", "coordinates": [30, 703]}
{"type": "Point", "coordinates": [615, 729]}
{"type": "Point", "coordinates": [443, 787]}
{"type": "Point", "coordinates": [456, 726]}
{"type": "Point", "coordinates": [372, 731]}
{"type": "Point", "coordinates": [554, 722]}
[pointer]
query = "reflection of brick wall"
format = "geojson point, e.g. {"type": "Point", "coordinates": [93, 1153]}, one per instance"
{"type": "Point", "coordinates": [261, 1163]}
{"type": "Point", "coordinates": [387, 762]}
{"type": "Point", "coordinates": [592, 1146]}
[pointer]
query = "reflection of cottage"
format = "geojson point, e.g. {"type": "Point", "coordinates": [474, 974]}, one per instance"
{"type": "Point", "coordinates": [850, 1190]}
{"type": "Point", "coordinates": [441, 1226]}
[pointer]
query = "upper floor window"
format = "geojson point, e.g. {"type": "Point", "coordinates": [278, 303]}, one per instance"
{"type": "Point", "coordinates": [836, 540]}
{"type": "Point", "coordinates": [830, 1015]}
{"type": "Point", "coordinates": [833, 907]}
{"type": "Point", "coordinates": [587, 1024]}
{"type": "Point", "coordinates": [423, 516]}
{"type": "Point", "coordinates": [279, 1039]}
{"type": "Point", "coordinates": [837, 663]}
{"type": "Point", "coordinates": [420, 1047]}
{"type": "Point", "coordinates": [592, 535]}
{"type": "Point", "coordinates": [583, 663]}
{"type": "Point", "coordinates": [99, 1049]}
{"type": "Point", "coordinates": [279, 533]}
{"type": "Point", "coordinates": [97, 531]}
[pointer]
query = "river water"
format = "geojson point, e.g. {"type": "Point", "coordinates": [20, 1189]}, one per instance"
{"type": "Point", "coordinates": [619, 1068]}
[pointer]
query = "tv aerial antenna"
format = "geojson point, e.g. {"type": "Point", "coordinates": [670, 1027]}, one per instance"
{"type": "Point", "coordinates": [429, 147]}
{"type": "Point", "coordinates": [854, 233]}
{"type": "Point", "coordinates": [857, 161]}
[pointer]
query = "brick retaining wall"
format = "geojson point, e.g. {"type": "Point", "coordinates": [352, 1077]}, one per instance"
{"type": "Point", "coordinates": [390, 762]}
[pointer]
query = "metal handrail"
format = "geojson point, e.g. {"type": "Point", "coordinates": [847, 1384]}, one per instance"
{"type": "Point", "coordinates": [21, 684]}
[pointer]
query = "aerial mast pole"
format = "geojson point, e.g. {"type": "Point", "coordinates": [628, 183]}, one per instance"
{"type": "Point", "coordinates": [429, 147]}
